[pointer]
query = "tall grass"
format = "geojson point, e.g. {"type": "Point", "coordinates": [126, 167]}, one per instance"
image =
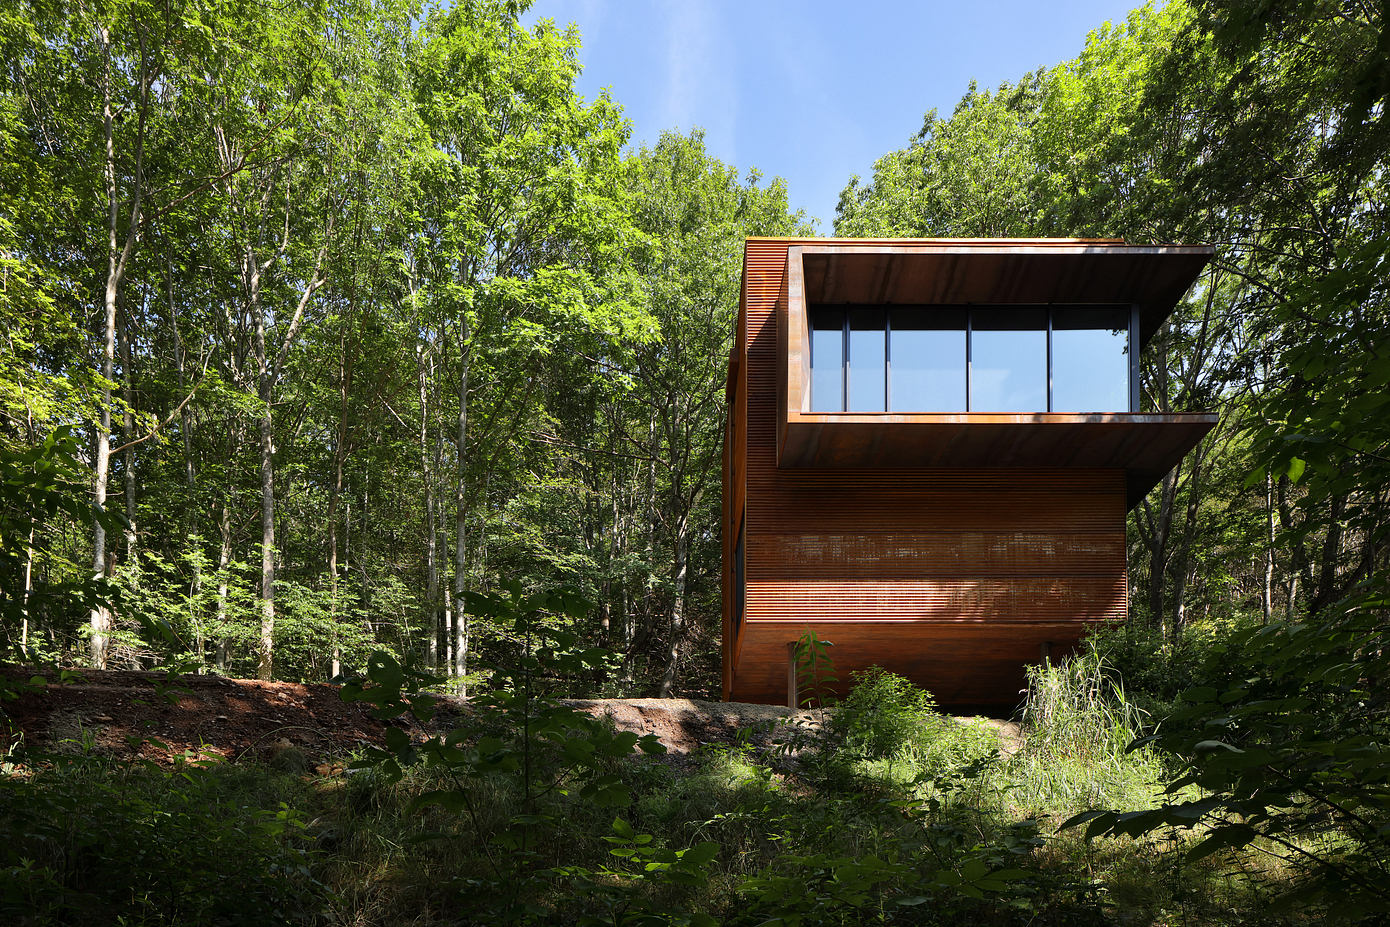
{"type": "Point", "coordinates": [1078, 726]}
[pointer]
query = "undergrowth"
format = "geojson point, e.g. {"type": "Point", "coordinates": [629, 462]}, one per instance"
{"type": "Point", "coordinates": [891, 813]}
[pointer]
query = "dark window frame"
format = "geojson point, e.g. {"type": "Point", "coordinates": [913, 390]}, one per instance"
{"type": "Point", "coordinates": [740, 574]}
{"type": "Point", "coordinates": [1132, 367]}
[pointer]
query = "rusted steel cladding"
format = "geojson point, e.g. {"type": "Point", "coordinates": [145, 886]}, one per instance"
{"type": "Point", "coordinates": [1006, 599]}
{"type": "Point", "coordinates": [977, 665]}
{"type": "Point", "coordinates": [937, 555]}
{"type": "Point", "coordinates": [953, 577]}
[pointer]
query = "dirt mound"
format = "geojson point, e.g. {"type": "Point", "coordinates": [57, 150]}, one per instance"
{"type": "Point", "coordinates": [157, 717]}
{"type": "Point", "coordinates": [685, 724]}
{"type": "Point", "coordinates": [153, 716]}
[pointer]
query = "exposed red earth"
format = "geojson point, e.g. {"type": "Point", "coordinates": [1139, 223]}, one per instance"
{"type": "Point", "coordinates": [149, 715]}
{"type": "Point", "coordinates": [152, 716]}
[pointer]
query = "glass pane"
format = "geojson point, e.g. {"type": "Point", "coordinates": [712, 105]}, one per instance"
{"type": "Point", "coordinates": [868, 361]}
{"type": "Point", "coordinates": [1008, 360]}
{"type": "Point", "coordinates": [827, 360]}
{"type": "Point", "coordinates": [1090, 360]}
{"type": "Point", "coordinates": [926, 360]}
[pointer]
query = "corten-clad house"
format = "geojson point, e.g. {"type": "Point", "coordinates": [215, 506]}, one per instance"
{"type": "Point", "coordinates": [931, 449]}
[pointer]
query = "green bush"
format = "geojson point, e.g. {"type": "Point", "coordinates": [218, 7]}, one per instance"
{"type": "Point", "coordinates": [1290, 759]}
{"type": "Point", "coordinates": [1153, 669]}
{"type": "Point", "coordinates": [884, 716]}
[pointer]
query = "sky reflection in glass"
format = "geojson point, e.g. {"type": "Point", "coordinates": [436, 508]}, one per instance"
{"type": "Point", "coordinates": [859, 363]}
{"type": "Point", "coordinates": [1008, 360]}
{"type": "Point", "coordinates": [827, 360]}
{"type": "Point", "coordinates": [868, 356]}
{"type": "Point", "coordinates": [927, 366]}
{"type": "Point", "coordinates": [1090, 360]}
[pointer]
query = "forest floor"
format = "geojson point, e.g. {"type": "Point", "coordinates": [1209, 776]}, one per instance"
{"type": "Point", "coordinates": [156, 717]}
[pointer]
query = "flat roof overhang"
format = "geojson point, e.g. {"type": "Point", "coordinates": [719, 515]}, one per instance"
{"type": "Point", "coordinates": [998, 272]}
{"type": "Point", "coordinates": [982, 272]}
{"type": "Point", "coordinates": [1144, 446]}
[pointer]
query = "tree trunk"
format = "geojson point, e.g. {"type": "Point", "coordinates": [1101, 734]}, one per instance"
{"type": "Point", "coordinates": [676, 628]}
{"type": "Point", "coordinates": [28, 591]}
{"type": "Point", "coordinates": [1156, 527]}
{"type": "Point", "coordinates": [460, 629]}
{"type": "Point", "coordinates": [224, 560]}
{"type": "Point", "coordinates": [190, 511]}
{"type": "Point", "coordinates": [1298, 553]}
{"type": "Point", "coordinates": [128, 436]}
{"type": "Point", "coordinates": [1183, 558]}
{"type": "Point", "coordinates": [269, 370]}
{"type": "Point", "coordinates": [265, 661]}
{"type": "Point", "coordinates": [101, 616]}
{"type": "Point", "coordinates": [1328, 588]}
{"type": "Point", "coordinates": [1267, 587]}
{"type": "Point", "coordinates": [118, 259]}
{"type": "Point", "coordinates": [1160, 523]}
{"type": "Point", "coordinates": [434, 646]}
{"type": "Point", "coordinates": [265, 664]}
{"type": "Point", "coordinates": [345, 367]}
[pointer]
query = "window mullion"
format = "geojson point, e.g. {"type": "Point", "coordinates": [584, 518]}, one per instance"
{"type": "Point", "coordinates": [1135, 384]}
{"type": "Point", "coordinates": [969, 338]}
{"type": "Point", "coordinates": [887, 360]}
{"type": "Point", "coordinates": [844, 365]}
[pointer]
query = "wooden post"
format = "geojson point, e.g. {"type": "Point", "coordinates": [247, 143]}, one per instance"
{"type": "Point", "coordinates": [791, 676]}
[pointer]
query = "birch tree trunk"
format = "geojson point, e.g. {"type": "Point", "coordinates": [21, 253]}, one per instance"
{"type": "Point", "coordinates": [190, 513]}
{"type": "Point", "coordinates": [128, 436]}
{"type": "Point", "coordinates": [118, 259]}
{"type": "Point", "coordinates": [265, 664]}
{"type": "Point", "coordinates": [345, 369]}
{"type": "Point", "coordinates": [460, 628]}
{"type": "Point", "coordinates": [269, 370]}
{"type": "Point", "coordinates": [433, 648]}
{"type": "Point", "coordinates": [676, 629]}
{"type": "Point", "coordinates": [224, 561]}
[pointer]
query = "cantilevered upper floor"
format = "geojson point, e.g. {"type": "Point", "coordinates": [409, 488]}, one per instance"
{"type": "Point", "coordinates": [978, 353]}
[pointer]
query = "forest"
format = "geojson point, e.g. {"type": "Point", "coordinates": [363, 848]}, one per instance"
{"type": "Point", "coordinates": [347, 341]}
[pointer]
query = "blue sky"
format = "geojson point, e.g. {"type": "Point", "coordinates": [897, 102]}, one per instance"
{"type": "Point", "coordinates": [812, 90]}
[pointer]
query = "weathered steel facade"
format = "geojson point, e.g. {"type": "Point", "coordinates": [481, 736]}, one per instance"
{"type": "Point", "coordinates": [950, 548]}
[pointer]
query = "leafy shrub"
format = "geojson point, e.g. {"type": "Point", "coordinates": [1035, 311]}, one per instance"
{"type": "Point", "coordinates": [884, 715]}
{"type": "Point", "coordinates": [1292, 756]}
{"type": "Point", "coordinates": [1153, 669]}
{"type": "Point", "coordinates": [42, 488]}
{"type": "Point", "coordinates": [560, 766]}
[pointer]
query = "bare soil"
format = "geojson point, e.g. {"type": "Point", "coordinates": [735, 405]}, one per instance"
{"type": "Point", "coordinates": [152, 716]}
{"type": "Point", "coordinates": [130, 715]}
